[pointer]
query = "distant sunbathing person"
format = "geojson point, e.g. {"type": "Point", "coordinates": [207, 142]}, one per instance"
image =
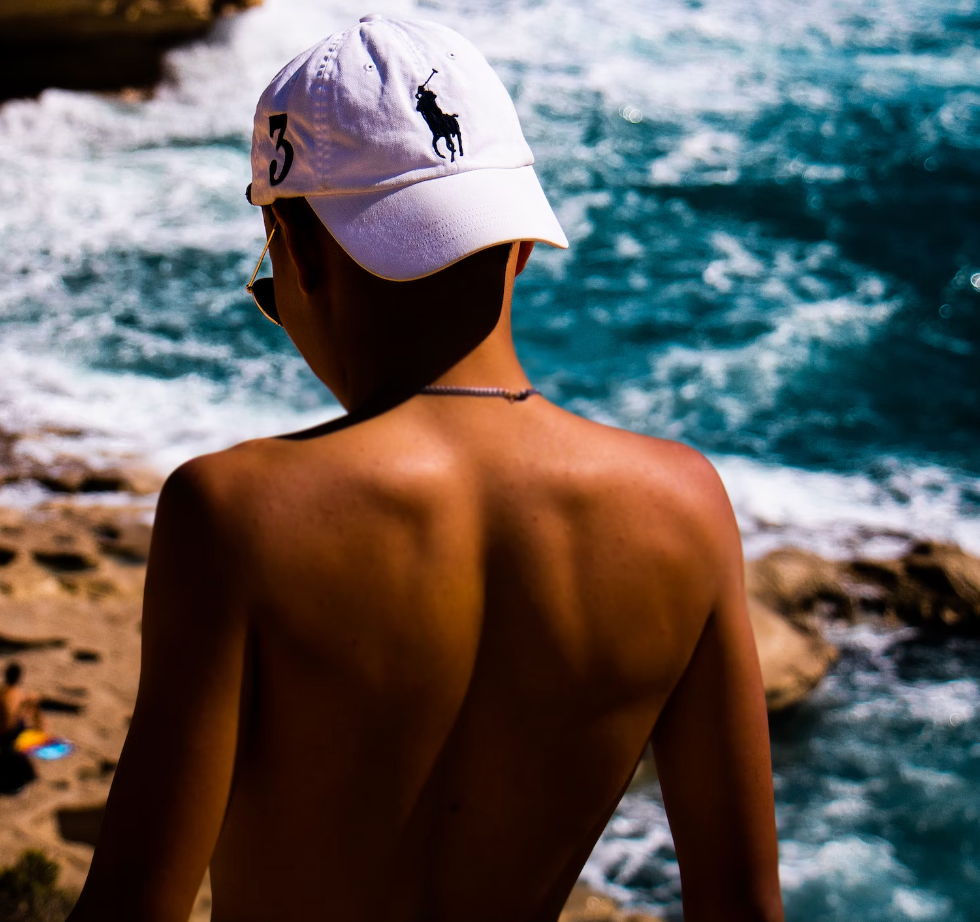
{"type": "Point", "coordinates": [421, 649]}
{"type": "Point", "coordinates": [18, 712]}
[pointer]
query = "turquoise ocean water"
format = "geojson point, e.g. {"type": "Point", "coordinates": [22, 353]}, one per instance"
{"type": "Point", "coordinates": [774, 211]}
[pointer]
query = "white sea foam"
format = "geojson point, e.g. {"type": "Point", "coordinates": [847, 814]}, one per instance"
{"type": "Point", "coordinates": [847, 800]}
{"type": "Point", "coordinates": [952, 702]}
{"type": "Point", "coordinates": [920, 904]}
{"type": "Point", "coordinates": [842, 515]}
{"type": "Point", "coordinates": [853, 862]}
{"type": "Point", "coordinates": [638, 835]}
{"type": "Point", "coordinates": [860, 874]}
{"type": "Point", "coordinates": [104, 418]}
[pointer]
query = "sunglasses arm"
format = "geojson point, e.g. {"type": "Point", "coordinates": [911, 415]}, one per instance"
{"type": "Point", "coordinates": [265, 250]}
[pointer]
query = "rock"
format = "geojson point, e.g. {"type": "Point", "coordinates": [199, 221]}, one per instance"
{"type": "Point", "coordinates": [125, 540]}
{"type": "Point", "coordinates": [587, 905]}
{"type": "Point", "coordinates": [13, 644]}
{"type": "Point", "coordinates": [792, 661]}
{"type": "Point", "coordinates": [800, 585]}
{"type": "Point", "coordinates": [96, 44]}
{"type": "Point", "coordinates": [60, 551]}
{"type": "Point", "coordinates": [935, 586]}
{"type": "Point", "coordinates": [80, 824]}
{"type": "Point", "coordinates": [70, 474]}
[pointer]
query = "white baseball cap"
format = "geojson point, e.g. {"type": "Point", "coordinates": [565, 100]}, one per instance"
{"type": "Point", "coordinates": [405, 143]}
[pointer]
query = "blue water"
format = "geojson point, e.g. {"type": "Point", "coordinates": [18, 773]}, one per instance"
{"type": "Point", "coordinates": [774, 211]}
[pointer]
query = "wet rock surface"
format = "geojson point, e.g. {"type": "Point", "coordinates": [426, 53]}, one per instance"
{"type": "Point", "coordinates": [66, 553]}
{"type": "Point", "coordinates": [793, 661]}
{"type": "Point", "coordinates": [794, 595]}
{"type": "Point", "coordinates": [800, 585]}
{"type": "Point", "coordinates": [96, 44]}
{"type": "Point", "coordinates": [933, 586]}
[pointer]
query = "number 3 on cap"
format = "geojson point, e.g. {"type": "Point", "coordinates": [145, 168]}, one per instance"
{"type": "Point", "coordinates": [278, 123]}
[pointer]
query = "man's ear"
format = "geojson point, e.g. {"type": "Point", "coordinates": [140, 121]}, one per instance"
{"type": "Point", "coordinates": [523, 255]}
{"type": "Point", "coordinates": [300, 229]}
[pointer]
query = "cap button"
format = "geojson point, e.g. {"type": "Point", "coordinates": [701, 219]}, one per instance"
{"type": "Point", "coordinates": [371, 17]}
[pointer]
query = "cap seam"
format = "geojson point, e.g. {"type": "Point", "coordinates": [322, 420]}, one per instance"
{"type": "Point", "coordinates": [406, 38]}
{"type": "Point", "coordinates": [325, 72]}
{"type": "Point", "coordinates": [464, 224]}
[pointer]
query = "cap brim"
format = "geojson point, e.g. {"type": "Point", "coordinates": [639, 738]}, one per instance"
{"type": "Point", "coordinates": [416, 230]}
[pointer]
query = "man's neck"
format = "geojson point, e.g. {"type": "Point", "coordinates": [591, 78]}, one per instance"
{"type": "Point", "coordinates": [493, 363]}
{"type": "Point", "coordinates": [376, 379]}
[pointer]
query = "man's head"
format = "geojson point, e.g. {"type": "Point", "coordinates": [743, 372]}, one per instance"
{"type": "Point", "coordinates": [392, 159]}
{"type": "Point", "coordinates": [405, 144]}
{"type": "Point", "coordinates": [348, 322]}
{"type": "Point", "coordinates": [11, 675]}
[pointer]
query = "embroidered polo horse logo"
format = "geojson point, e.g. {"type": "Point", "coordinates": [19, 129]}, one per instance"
{"type": "Point", "coordinates": [441, 124]}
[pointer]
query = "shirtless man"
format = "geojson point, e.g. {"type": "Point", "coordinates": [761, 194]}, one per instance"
{"type": "Point", "coordinates": [421, 649]}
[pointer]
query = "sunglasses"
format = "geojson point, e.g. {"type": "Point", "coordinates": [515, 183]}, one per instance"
{"type": "Point", "coordinates": [263, 291]}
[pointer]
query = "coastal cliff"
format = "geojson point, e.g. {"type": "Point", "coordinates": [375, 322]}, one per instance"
{"type": "Point", "coordinates": [96, 44]}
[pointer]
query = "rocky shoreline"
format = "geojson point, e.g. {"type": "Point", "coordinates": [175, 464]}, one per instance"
{"type": "Point", "coordinates": [71, 578]}
{"type": "Point", "coordinates": [97, 44]}
{"type": "Point", "coordinates": [67, 473]}
{"type": "Point", "coordinates": [795, 595]}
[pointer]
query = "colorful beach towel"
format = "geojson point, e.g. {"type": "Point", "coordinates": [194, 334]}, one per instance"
{"type": "Point", "coordinates": [43, 745]}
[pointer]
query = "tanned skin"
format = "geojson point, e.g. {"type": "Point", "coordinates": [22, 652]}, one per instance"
{"type": "Point", "coordinates": [402, 667]}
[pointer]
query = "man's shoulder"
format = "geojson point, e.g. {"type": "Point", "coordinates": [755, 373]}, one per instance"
{"type": "Point", "coordinates": [220, 491]}
{"type": "Point", "coordinates": [249, 482]}
{"type": "Point", "coordinates": [217, 513]}
{"type": "Point", "coordinates": [218, 479]}
{"type": "Point", "coordinates": [689, 478]}
{"type": "Point", "coordinates": [664, 492]}
{"type": "Point", "coordinates": [677, 474]}
{"type": "Point", "coordinates": [250, 464]}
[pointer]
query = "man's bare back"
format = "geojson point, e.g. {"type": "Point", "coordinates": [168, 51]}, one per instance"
{"type": "Point", "coordinates": [410, 658]}
{"type": "Point", "coordinates": [480, 632]}
{"type": "Point", "coordinates": [457, 624]}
